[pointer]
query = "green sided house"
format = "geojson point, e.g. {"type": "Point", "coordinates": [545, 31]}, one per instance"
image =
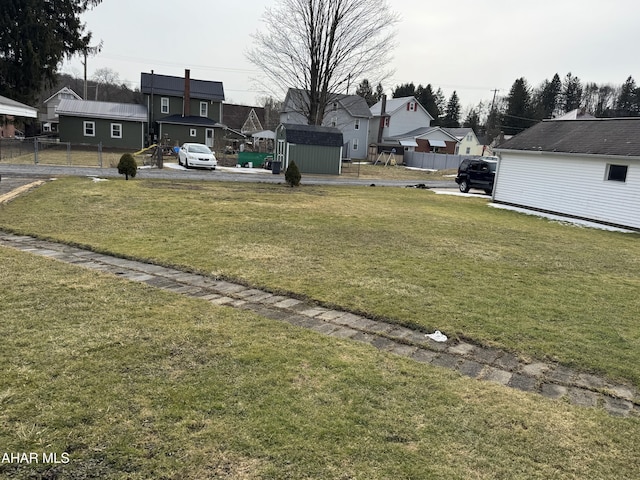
{"type": "Point", "coordinates": [315, 149]}
{"type": "Point", "coordinates": [114, 125]}
{"type": "Point", "coordinates": [183, 110]}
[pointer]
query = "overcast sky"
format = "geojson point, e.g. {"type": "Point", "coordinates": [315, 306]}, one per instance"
{"type": "Point", "coordinates": [471, 46]}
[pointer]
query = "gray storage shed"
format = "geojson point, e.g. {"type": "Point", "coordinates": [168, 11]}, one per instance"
{"type": "Point", "coordinates": [315, 149]}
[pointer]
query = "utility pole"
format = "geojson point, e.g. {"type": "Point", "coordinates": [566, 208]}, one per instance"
{"type": "Point", "coordinates": [93, 51]}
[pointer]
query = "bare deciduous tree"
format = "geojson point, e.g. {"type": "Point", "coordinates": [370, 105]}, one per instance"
{"type": "Point", "coordinates": [323, 46]}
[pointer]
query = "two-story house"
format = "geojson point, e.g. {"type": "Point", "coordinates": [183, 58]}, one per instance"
{"type": "Point", "coordinates": [348, 113]}
{"type": "Point", "coordinates": [183, 110]}
{"type": "Point", "coordinates": [405, 125]}
{"type": "Point", "coordinates": [49, 118]}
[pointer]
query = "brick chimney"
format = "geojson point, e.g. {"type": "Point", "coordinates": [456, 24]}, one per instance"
{"type": "Point", "coordinates": [187, 93]}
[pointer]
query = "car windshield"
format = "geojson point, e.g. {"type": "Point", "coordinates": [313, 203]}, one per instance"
{"type": "Point", "coordinates": [198, 149]}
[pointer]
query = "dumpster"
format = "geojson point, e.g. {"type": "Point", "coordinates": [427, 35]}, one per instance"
{"type": "Point", "coordinates": [275, 167]}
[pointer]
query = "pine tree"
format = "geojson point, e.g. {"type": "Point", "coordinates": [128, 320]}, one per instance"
{"type": "Point", "coordinates": [428, 100]}
{"type": "Point", "coordinates": [517, 116]}
{"type": "Point", "coordinates": [404, 90]}
{"type": "Point", "coordinates": [365, 91]}
{"type": "Point", "coordinates": [627, 102]}
{"type": "Point", "coordinates": [35, 36]}
{"type": "Point", "coordinates": [452, 116]}
{"type": "Point", "coordinates": [571, 92]}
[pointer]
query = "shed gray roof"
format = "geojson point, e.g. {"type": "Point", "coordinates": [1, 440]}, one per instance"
{"type": "Point", "coordinates": [313, 135]}
{"type": "Point", "coordinates": [610, 136]}
{"type": "Point", "coordinates": [109, 110]}
{"type": "Point", "coordinates": [174, 87]}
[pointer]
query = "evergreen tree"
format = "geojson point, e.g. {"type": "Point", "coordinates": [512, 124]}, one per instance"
{"type": "Point", "coordinates": [35, 36]}
{"type": "Point", "coordinates": [452, 115]}
{"type": "Point", "coordinates": [441, 105]}
{"type": "Point", "coordinates": [472, 120]}
{"type": "Point", "coordinates": [517, 116]}
{"type": "Point", "coordinates": [627, 102]}
{"type": "Point", "coordinates": [365, 91]}
{"type": "Point", "coordinates": [547, 99]}
{"type": "Point", "coordinates": [404, 90]}
{"type": "Point", "coordinates": [571, 92]}
{"type": "Point", "coordinates": [427, 99]}
{"type": "Point", "coordinates": [379, 92]}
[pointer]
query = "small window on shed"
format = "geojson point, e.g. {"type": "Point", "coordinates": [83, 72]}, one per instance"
{"type": "Point", "coordinates": [89, 129]}
{"type": "Point", "coordinates": [617, 173]}
{"type": "Point", "coordinates": [193, 132]}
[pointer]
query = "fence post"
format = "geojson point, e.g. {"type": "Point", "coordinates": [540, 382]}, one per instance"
{"type": "Point", "coordinates": [35, 150]}
{"type": "Point", "coordinates": [100, 154]}
{"type": "Point", "coordinates": [69, 153]}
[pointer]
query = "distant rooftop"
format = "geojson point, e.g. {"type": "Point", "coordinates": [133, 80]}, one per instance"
{"type": "Point", "coordinates": [174, 87]}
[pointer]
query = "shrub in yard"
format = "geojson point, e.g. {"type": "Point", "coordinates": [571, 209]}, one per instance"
{"type": "Point", "coordinates": [292, 175]}
{"type": "Point", "coordinates": [127, 166]}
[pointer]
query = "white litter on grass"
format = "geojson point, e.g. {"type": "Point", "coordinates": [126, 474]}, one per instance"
{"type": "Point", "coordinates": [421, 169]}
{"type": "Point", "coordinates": [437, 336]}
{"type": "Point", "coordinates": [97, 179]}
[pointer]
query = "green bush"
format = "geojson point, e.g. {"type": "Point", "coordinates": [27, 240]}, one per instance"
{"type": "Point", "coordinates": [127, 166]}
{"type": "Point", "coordinates": [292, 175]}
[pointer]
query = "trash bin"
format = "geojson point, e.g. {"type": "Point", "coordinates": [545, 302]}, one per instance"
{"type": "Point", "coordinates": [275, 167]}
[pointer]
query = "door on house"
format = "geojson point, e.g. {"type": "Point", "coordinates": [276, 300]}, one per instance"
{"type": "Point", "coordinates": [209, 137]}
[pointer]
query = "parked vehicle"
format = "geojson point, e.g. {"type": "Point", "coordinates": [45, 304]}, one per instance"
{"type": "Point", "coordinates": [196, 155]}
{"type": "Point", "coordinates": [477, 173]}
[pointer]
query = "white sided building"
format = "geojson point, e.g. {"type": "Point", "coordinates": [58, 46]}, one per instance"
{"type": "Point", "coordinates": [582, 169]}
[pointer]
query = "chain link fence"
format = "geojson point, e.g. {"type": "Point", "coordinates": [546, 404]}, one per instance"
{"type": "Point", "coordinates": [48, 151]}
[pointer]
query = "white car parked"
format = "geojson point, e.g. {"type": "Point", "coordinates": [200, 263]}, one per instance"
{"type": "Point", "coordinates": [196, 155]}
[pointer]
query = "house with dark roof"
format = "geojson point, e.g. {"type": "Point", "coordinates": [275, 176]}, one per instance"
{"type": "Point", "coordinates": [348, 113]}
{"type": "Point", "coordinates": [585, 169]}
{"type": "Point", "coordinates": [183, 109]}
{"type": "Point", "coordinates": [113, 125]}
{"type": "Point", "coordinates": [315, 149]}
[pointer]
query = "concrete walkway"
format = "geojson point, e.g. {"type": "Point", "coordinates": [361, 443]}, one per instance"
{"type": "Point", "coordinates": [485, 364]}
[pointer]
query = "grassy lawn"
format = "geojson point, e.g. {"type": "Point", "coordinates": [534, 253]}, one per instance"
{"type": "Point", "coordinates": [542, 289]}
{"type": "Point", "coordinates": [121, 380]}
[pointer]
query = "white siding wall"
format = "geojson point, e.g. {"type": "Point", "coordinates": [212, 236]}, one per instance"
{"type": "Point", "coordinates": [403, 121]}
{"type": "Point", "coordinates": [570, 185]}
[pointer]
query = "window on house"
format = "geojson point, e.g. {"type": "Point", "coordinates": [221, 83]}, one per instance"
{"type": "Point", "coordinates": [89, 129]}
{"type": "Point", "coordinates": [116, 130]}
{"type": "Point", "coordinates": [193, 132]}
{"type": "Point", "coordinates": [617, 173]}
{"type": "Point", "coordinates": [386, 121]}
{"type": "Point", "coordinates": [355, 144]}
{"type": "Point", "coordinates": [204, 109]}
{"type": "Point", "coordinates": [357, 125]}
{"type": "Point", "coordinates": [334, 121]}
{"type": "Point", "coordinates": [164, 105]}
{"type": "Point", "coordinates": [468, 150]}
{"type": "Point", "coordinates": [335, 106]}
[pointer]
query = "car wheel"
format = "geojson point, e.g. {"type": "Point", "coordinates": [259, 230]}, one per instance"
{"type": "Point", "coordinates": [186, 163]}
{"type": "Point", "coordinates": [464, 186]}
{"type": "Point", "coordinates": [213, 168]}
{"type": "Point", "coordinates": [488, 191]}
{"type": "Point", "coordinates": [179, 161]}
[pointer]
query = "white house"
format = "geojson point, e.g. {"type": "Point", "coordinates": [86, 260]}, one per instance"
{"type": "Point", "coordinates": [585, 169]}
{"type": "Point", "coordinates": [397, 117]}
{"type": "Point", "coordinates": [348, 113]}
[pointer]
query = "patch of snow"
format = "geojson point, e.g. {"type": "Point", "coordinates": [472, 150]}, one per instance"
{"type": "Point", "coordinates": [563, 220]}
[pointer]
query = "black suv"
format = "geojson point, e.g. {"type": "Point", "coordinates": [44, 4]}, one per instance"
{"type": "Point", "coordinates": [476, 173]}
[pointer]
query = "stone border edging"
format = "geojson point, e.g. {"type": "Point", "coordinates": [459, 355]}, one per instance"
{"type": "Point", "coordinates": [490, 364]}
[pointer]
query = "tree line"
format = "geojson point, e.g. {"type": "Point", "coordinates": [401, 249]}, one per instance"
{"type": "Point", "coordinates": [522, 107]}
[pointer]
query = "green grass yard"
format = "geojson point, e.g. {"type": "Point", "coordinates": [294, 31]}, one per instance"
{"type": "Point", "coordinates": [126, 381]}
{"type": "Point", "coordinates": [134, 382]}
